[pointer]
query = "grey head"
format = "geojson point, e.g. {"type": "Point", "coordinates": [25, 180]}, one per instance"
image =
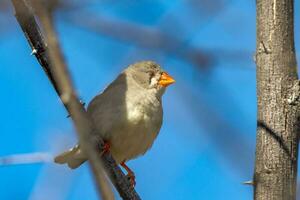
{"type": "Point", "coordinates": [148, 75]}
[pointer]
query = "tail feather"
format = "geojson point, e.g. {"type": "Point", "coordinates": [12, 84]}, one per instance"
{"type": "Point", "coordinates": [73, 157]}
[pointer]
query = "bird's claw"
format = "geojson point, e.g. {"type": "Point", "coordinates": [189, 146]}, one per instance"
{"type": "Point", "coordinates": [131, 178]}
{"type": "Point", "coordinates": [130, 174]}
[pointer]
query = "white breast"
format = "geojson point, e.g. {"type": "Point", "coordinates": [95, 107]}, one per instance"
{"type": "Point", "coordinates": [144, 119]}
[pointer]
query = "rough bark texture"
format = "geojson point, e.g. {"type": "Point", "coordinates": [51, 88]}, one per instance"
{"type": "Point", "coordinates": [51, 61]}
{"type": "Point", "coordinates": [278, 102]}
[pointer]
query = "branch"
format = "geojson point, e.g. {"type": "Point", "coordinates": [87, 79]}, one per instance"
{"type": "Point", "coordinates": [142, 36]}
{"type": "Point", "coordinates": [57, 73]}
{"type": "Point", "coordinates": [70, 100]}
{"type": "Point", "coordinates": [26, 158]}
{"type": "Point", "coordinates": [278, 124]}
{"type": "Point", "coordinates": [156, 40]}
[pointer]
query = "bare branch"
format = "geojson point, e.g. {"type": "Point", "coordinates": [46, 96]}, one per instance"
{"type": "Point", "coordinates": [57, 72]}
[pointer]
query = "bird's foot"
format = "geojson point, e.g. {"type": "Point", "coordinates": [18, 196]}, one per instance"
{"type": "Point", "coordinates": [106, 147]}
{"type": "Point", "coordinates": [131, 178]}
{"type": "Point", "coordinates": [130, 174]}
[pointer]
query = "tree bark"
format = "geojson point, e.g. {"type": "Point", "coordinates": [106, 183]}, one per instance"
{"type": "Point", "coordinates": [278, 122]}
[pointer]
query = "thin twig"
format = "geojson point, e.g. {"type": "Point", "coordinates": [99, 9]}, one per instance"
{"type": "Point", "coordinates": [26, 158]}
{"type": "Point", "coordinates": [57, 73]}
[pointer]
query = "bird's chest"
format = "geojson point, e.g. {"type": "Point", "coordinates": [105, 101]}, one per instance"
{"type": "Point", "coordinates": [142, 113]}
{"type": "Point", "coordinates": [143, 123]}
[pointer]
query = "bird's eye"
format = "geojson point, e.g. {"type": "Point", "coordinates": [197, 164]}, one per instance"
{"type": "Point", "coordinates": [151, 73]}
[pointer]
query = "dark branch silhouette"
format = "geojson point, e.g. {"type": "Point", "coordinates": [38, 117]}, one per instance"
{"type": "Point", "coordinates": [51, 60]}
{"type": "Point", "coordinates": [274, 135]}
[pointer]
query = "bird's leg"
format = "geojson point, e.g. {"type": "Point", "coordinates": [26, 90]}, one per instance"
{"type": "Point", "coordinates": [106, 147]}
{"type": "Point", "coordinates": [130, 173]}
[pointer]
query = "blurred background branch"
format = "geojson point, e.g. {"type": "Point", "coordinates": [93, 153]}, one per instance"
{"type": "Point", "coordinates": [27, 158]}
{"type": "Point", "coordinates": [136, 34]}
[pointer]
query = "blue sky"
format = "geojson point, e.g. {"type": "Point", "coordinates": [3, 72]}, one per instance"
{"type": "Point", "coordinates": [206, 147]}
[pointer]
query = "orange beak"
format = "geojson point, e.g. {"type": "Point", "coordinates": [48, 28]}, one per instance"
{"type": "Point", "coordinates": [165, 80]}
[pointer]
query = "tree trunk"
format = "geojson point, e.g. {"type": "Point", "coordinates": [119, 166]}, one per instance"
{"type": "Point", "coordinates": [278, 122]}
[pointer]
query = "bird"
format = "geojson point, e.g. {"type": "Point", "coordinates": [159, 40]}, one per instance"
{"type": "Point", "coordinates": [128, 115]}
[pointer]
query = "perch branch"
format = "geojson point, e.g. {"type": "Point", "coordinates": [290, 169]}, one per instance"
{"type": "Point", "coordinates": [51, 60]}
